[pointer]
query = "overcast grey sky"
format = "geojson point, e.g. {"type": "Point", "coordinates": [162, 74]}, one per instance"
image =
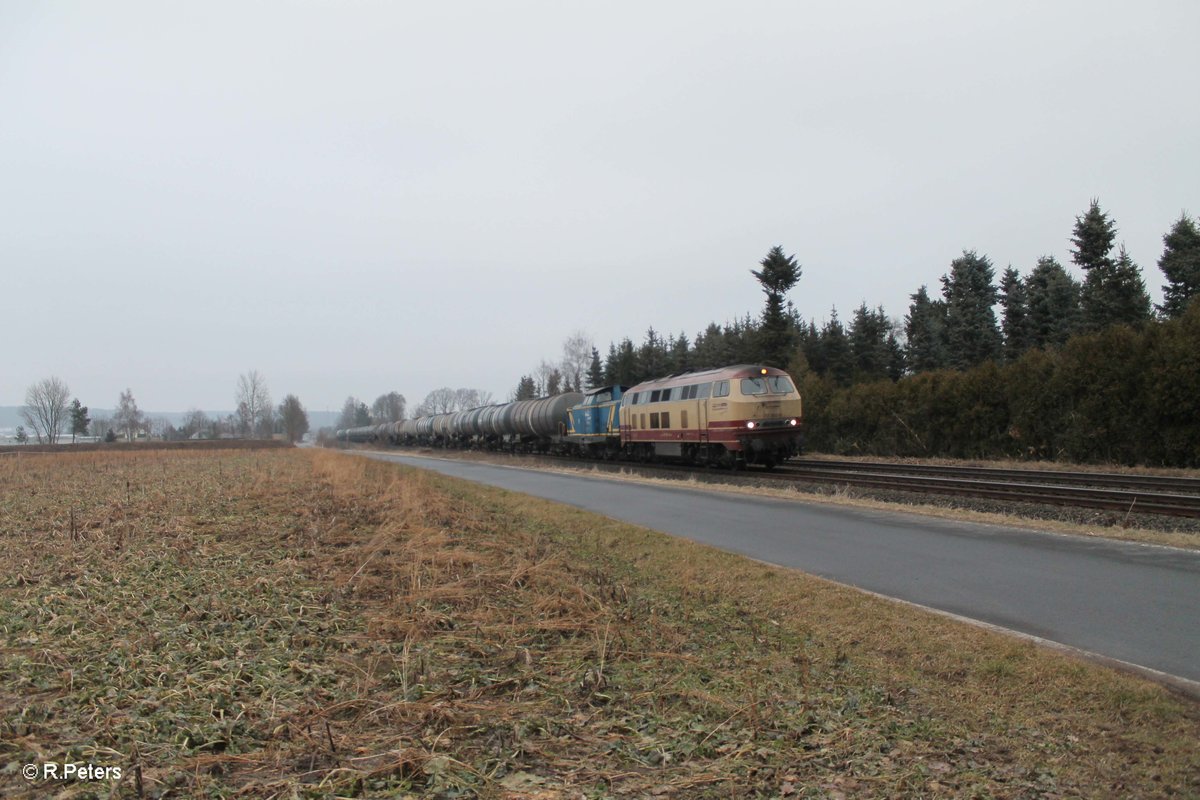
{"type": "Point", "coordinates": [359, 197]}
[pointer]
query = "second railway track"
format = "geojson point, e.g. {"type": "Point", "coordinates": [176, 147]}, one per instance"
{"type": "Point", "coordinates": [1113, 492]}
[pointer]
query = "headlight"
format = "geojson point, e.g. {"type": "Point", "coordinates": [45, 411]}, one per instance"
{"type": "Point", "coordinates": [793, 422]}
{"type": "Point", "coordinates": [751, 425]}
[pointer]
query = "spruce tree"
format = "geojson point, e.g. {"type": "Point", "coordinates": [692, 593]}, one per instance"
{"type": "Point", "coordinates": [526, 388]}
{"type": "Point", "coordinates": [610, 365]}
{"type": "Point", "coordinates": [708, 351]}
{"type": "Point", "coordinates": [778, 275]}
{"type": "Point", "coordinates": [595, 374]}
{"type": "Point", "coordinates": [1015, 324]}
{"type": "Point", "coordinates": [896, 362]}
{"type": "Point", "coordinates": [925, 333]}
{"type": "Point", "coordinates": [79, 419]}
{"type": "Point", "coordinates": [868, 335]}
{"type": "Point", "coordinates": [814, 351]}
{"type": "Point", "coordinates": [679, 353]}
{"type": "Point", "coordinates": [622, 365]}
{"type": "Point", "coordinates": [1053, 299]}
{"type": "Point", "coordinates": [838, 356]}
{"type": "Point", "coordinates": [1093, 239]}
{"type": "Point", "coordinates": [1128, 301]}
{"type": "Point", "coordinates": [1113, 291]}
{"type": "Point", "coordinates": [972, 335]}
{"type": "Point", "coordinates": [652, 355]}
{"type": "Point", "coordinates": [1180, 263]}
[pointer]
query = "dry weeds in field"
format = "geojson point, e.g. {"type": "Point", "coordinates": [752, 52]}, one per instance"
{"type": "Point", "coordinates": [304, 624]}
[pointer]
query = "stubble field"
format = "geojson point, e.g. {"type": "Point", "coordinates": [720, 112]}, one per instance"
{"type": "Point", "coordinates": [297, 623]}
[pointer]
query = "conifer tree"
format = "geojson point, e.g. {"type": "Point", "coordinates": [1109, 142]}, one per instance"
{"type": "Point", "coordinates": [595, 374]}
{"type": "Point", "coordinates": [972, 335]}
{"type": "Point", "coordinates": [526, 388]}
{"type": "Point", "coordinates": [652, 355]}
{"type": "Point", "coordinates": [778, 275]}
{"type": "Point", "coordinates": [1053, 300]}
{"type": "Point", "coordinates": [1128, 302]}
{"type": "Point", "coordinates": [679, 354]}
{"type": "Point", "coordinates": [708, 351]}
{"type": "Point", "coordinates": [925, 333]}
{"type": "Point", "coordinates": [1113, 291]}
{"type": "Point", "coordinates": [622, 365]}
{"type": "Point", "coordinates": [814, 352]}
{"type": "Point", "coordinates": [836, 351]}
{"type": "Point", "coordinates": [1093, 239]}
{"type": "Point", "coordinates": [1015, 324]}
{"type": "Point", "coordinates": [79, 419]}
{"type": "Point", "coordinates": [868, 336]}
{"type": "Point", "coordinates": [896, 362]}
{"type": "Point", "coordinates": [1180, 263]}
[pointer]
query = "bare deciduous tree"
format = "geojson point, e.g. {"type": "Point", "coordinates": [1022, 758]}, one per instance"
{"type": "Point", "coordinates": [195, 421]}
{"type": "Point", "coordinates": [129, 419]}
{"type": "Point", "coordinates": [253, 404]}
{"type": "Point", "coordinates": [545, 375]}
{"type": "Point", "coordinates": [101, 426]}
{"type": "Point", "coordinates": [447, 400]}
{"type": "Point", "coordinates": [439, 401]}
{"type": "Point", "coordinates": [46, 408]}
{"type": "Point", "coordinates": [576, 357]}
{"type": "Point", "coordinates": [294, 418]}
{"type": "Point", "coordinates": [388, 407]}
{"type": "Point", "coordinates": [465, 398]}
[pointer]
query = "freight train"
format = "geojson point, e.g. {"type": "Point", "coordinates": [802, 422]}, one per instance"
{"type": "Point", "coordinates": [732, 417]}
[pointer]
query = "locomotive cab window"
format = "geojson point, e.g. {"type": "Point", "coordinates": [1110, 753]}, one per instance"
{"type": "Point", "coordinates": [780, 384]}
{"type": "Point", "coordinates": [721, 389]}
{"type": "Point", "coordinates": [753, 386]}
{"type": "Point", "coordinates": [705, 391]}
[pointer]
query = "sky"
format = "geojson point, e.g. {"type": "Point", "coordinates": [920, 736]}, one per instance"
{"type": "Point", "coordinates": [359, 197]}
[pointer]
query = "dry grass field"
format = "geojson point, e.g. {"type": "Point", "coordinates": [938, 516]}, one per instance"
{"type": "Point", "coordinates": [299, 623]}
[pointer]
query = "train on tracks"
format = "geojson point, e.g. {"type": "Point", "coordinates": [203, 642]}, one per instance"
{"type": "Point", "coordinates": [734, 416]}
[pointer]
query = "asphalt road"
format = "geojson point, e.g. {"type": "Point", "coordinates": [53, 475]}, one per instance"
{"type": "Point", "coordinates": [1135, 603]}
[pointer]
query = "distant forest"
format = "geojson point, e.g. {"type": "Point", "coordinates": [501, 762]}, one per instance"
{"type": "Point", "coordinates": [1080, 371]}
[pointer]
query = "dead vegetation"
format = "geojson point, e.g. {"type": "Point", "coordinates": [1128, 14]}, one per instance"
{"type": "Point", "coordinates": [303, 624]}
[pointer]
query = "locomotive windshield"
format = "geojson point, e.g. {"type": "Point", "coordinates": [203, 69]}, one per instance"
{"type": "Point", "coordinates": [775, 384]}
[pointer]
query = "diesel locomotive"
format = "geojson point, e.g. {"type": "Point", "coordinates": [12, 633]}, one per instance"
{"type": "Point", "coordinates": [732, 416]}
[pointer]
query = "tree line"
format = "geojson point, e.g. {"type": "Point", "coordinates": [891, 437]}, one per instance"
{"type": "Point", "coordinates": [1082, 370]}
{"type": "Point", "coordinates": [49, 415]}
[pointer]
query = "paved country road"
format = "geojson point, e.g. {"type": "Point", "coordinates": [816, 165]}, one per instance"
{"type": "Point", "coordinates": [1136, 603]}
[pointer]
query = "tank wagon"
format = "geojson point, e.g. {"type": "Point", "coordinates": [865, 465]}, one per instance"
{"type": "Point", "coordinates": [732, 416]}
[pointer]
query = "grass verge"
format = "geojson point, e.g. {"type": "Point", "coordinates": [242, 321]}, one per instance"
{"type": "Point", "coordinates": [305, 624]}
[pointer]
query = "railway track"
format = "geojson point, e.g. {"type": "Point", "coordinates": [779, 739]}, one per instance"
{"type": "Point", "coordinates": [1113, 492]}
